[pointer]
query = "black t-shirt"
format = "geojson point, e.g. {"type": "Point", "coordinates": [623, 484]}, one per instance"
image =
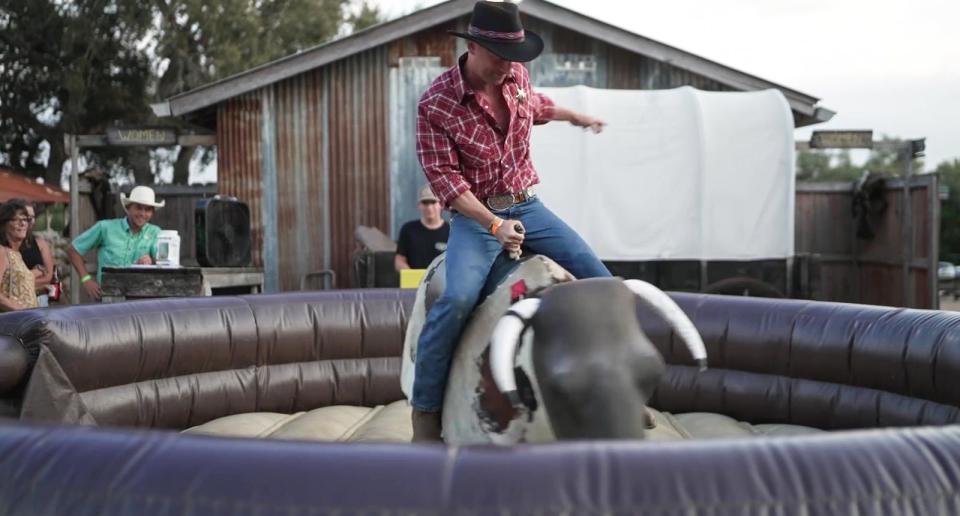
{"type": "Point", "coordinates": [421, 245]}
{"type": "Point", "coordinates": [31, 255]}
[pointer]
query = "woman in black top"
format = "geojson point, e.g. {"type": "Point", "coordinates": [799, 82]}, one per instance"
{"type": "Point", "coordinates": [36, 253]}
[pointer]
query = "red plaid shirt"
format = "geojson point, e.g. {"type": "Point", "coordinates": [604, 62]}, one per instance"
{"type": "Point", "coordinates": [460, 150]}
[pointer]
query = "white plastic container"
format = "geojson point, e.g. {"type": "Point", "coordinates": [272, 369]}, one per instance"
{"type": "Point", "coordinates": [168, 248]}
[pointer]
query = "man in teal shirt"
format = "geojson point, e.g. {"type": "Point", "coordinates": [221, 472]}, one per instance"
{"type": "Point", "coordinates": [119, 242]}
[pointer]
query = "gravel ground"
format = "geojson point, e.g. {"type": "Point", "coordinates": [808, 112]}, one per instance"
{"type": "Point", "coordinates": [947, 303]}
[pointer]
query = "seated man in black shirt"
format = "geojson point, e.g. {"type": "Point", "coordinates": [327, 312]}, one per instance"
{"type": "Point", "coordinates": [421, 241]}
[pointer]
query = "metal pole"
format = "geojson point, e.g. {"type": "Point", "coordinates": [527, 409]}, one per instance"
{"type": "Point", "coordinates": [71, 143]}
{"type": "Point", "coordinates": [906, 153]}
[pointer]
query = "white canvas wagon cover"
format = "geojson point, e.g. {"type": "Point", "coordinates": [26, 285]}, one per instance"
{"type": "Point", "coordinates": [677, 174]}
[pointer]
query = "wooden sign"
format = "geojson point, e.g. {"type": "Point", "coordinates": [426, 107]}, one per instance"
{"type": "Point", "coordinates": [841, 140]}
{"type": "Point", "coordinates": [157, 136]}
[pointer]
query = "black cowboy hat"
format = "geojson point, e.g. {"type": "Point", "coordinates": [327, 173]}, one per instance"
{"type": "Point", "coordinates": [496, 27]}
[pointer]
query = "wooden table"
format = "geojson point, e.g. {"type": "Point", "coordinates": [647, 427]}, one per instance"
{"type": "Point", "coordinates": [122, 283]}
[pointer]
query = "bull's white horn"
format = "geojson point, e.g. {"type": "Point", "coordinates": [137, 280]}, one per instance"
{"type": "Point", "coordinates": [504, 342]}
{"type": "Point", "coordinates": [665, 307]}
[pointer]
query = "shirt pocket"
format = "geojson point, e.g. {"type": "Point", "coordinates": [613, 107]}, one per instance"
{"type": "Point", "coordinates": [476, 144]}
{"type": "Point", "coordinates": [524, 120]}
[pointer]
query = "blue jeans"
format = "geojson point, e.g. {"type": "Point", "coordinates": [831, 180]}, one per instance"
{"type": "Point", "coordinates": [471, 254]}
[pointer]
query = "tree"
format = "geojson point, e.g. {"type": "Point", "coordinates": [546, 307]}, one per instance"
{"type": "Point", "coordinates": [838, 165]}
{"type": "Point", "coordinates": [67, 67]}
{"type": "Point", "coordinates": [79, 66]}
{"type": "Point", "coordinates": [198, 41]}
{"type": "Point", "coordinates": [365, 15]}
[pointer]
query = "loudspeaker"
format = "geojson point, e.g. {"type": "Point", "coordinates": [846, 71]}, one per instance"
{"type": "Point", "coordinates": [223, 232]}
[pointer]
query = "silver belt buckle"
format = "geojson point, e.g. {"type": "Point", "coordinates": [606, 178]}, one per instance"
{"type": "Point", "coordinates": [500, 202]}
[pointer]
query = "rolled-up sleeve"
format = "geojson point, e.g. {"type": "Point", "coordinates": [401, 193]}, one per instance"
{"type": "Point", "coordinates": [438, 157]}
{"type": "Point", "coordinates": [542, 108]}
{"type": "Point", "coordinates": [89, 239]}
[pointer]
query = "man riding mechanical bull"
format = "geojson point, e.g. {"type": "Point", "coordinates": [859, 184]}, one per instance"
{"type": "Point", "coordinates": [473, 142]}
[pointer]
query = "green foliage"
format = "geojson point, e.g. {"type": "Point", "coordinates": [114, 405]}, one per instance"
{"type": "Point", "coordinates": [837, 165]}
{"type": "Point", "coordinates": [79, 66]}
{"type": "Point", "coordinates": [66, 67]}
{"type": "Point", "coordinates": [200, 41]}
{"type": "Point", "coordinates": [366, 15]}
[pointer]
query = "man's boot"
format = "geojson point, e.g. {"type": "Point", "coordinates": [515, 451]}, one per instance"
{"type": "Point", "coordinates": [426, 427]}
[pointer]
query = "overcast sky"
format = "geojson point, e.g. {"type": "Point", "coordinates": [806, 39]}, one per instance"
{"type": "Point", "coordinates": [888, 65]}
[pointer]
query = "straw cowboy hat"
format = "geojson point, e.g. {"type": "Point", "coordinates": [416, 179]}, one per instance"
{"type": "Point", "coordinates": [496, 27]}
{"type": "Point", "coordinates": [141, 195]}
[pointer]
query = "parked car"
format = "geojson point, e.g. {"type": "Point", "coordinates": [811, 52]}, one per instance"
{"type": "Point", "coordinates": [947, 274]}
{"type": "Point", "coordinates": [947, 271]}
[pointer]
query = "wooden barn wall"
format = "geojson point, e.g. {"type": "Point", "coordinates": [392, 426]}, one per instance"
{"type": "Point", "coordinates": [358, 126]}
{"type": "Point", "coordinates": [331, 165]}
{"type": "Point", "coordinates": [239, 160]}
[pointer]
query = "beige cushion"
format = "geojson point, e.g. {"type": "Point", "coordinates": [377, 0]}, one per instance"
{"type": "Point", "coordinates": [706, 425]}
{"type": "Point", "coordinates": [391, 423]}
{"type": "Point", "coordinates": [385, 423]}
{"type": "Point", "coordinates": [782, 430]}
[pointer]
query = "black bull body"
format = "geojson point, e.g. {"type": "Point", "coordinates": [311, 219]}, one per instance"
{"type": "Point", "coordinates": [585, 371]}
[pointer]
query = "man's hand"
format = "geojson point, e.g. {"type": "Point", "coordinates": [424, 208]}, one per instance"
{"type": "Point", "coordinates": [93, 289]}
{"type": "Point", "coordinates": [145, 260]}
{"type": "Point", "coordinates": [508, 236]}
{"type": "Point", "coordinates": [588, 122]}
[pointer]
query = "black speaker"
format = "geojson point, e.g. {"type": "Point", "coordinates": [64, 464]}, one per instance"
{"type": "Point", "coordinates": [223, 232]}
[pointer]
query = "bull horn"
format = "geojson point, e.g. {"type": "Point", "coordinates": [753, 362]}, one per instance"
{"type": "Point", "coordinates": [504, 342]}
{"type": "Point", "coordinates": [666, 308]}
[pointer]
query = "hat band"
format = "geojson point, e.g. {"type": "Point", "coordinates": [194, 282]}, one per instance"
{"type": "Point", "coordinates": [508, 36]}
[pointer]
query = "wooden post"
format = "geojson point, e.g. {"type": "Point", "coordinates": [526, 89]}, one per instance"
{"type": "Point", "coordinates": [71, 144]}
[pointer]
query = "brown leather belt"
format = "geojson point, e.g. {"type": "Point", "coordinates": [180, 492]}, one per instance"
{"type": "Point", "coordinates": [506, 201]}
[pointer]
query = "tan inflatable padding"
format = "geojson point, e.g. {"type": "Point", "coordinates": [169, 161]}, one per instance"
{"type": "Point", "coordinates": [706, 425]}
{"type": "Point", "coordinates": [384, 423]}
{"type": "Point", "coordinates": [784, 430]}
{"type": "Point", "coordinates": [391, 423]}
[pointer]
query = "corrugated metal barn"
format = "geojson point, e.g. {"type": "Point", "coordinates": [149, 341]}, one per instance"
{"type": "Point", "coordinates": [322, 141]}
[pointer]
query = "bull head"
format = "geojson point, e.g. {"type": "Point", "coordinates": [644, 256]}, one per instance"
{"type": "Point", "coordinates": [591, 367]}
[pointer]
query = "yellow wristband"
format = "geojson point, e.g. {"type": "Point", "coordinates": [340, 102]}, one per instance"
{"type": "Point", "coordinates": [495, 225]}
{"type": "Point", "coordinates": [86, 278]}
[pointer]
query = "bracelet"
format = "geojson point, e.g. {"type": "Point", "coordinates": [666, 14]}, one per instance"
{"type": "Point", "coordinates": [495, 225]}
{"type": "Point", "coordinates": [86, 278]}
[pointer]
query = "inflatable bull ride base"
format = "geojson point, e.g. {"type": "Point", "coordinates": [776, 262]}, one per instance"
{"type": "Point", "coordinates": [564, 397]}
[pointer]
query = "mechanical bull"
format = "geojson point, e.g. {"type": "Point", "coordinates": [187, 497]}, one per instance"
{"type": "Point", "coordinates": [545, 358]}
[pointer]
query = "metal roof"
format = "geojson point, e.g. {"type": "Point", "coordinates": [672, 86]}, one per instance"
{"type": "Point", "coordinates": [13, 185]}
{"type": "Point", "coordinates": [289, 66]}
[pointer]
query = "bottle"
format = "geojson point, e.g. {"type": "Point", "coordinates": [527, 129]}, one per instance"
{"type": "Point", "coordinates": [55, 287]}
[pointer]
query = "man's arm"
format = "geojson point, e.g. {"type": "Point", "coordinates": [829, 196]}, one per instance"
{"type": "Point", "coordinates": [90, 285]}
{"type": "Point", "coordinates": [151, 257]}
{"type": "Point", "coordinates": [403, 247]}
{"type": "Point", "coordinates": [400, 262]}
{"type": "Point", "coordinates": [89, 239]}
{"type": "Point", "coordinates": [544, 110]}
{"type": "Point", "coordinates": [578, 119]}
{"type": "Point", "coordinates": [506, 233]}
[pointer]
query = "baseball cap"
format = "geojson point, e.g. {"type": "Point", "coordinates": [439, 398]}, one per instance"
{"type": "Point", "coordinates": [426, 194]}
